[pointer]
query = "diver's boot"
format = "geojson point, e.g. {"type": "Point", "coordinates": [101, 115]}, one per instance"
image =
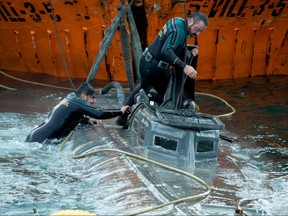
{"type": "Point", "coordinates": [144, 97]}
{"type": "Point", "coordinates": [189, 104]}
{"type": "Point", "coordinates": [122, 120]}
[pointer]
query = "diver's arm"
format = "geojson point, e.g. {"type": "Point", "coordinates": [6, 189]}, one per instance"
{"type": "Point", "coordinates": [81, 106]}
{"type": "Point", "coordinates": [99, 113]}
{"type": "Point", "coordinates": [89, 120]}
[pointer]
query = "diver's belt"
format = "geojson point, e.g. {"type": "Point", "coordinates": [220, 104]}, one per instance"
{"type": "Point", "coordinates": [150, 58]}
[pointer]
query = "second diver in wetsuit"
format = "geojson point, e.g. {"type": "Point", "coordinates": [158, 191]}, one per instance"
{"type": "Point", "coordinates": [73, 109]}
{"type": "Point", "coordinates": [165, 51]}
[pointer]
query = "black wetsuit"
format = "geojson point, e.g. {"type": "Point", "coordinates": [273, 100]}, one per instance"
{"type": "Point", "coordinates": [66, 116]}
{"type": "Point", "coordinates": [166, 47]}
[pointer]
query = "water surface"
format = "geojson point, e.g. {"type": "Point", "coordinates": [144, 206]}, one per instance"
{"type": "Point", "coordinates": [252, 170]}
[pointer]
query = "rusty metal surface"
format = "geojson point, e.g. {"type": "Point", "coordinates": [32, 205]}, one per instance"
{"type": "Point", "coordinates": [244, 38]}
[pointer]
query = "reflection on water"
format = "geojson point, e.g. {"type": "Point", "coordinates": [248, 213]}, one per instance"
{"type": "Point", "coordinates": [252, 171]}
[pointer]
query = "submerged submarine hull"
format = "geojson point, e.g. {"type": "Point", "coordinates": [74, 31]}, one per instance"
{"type": "Point", "coordinates": [182, 137]}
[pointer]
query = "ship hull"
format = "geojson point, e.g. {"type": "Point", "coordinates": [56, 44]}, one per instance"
{"type": "Point", "coordinates": [244, 38]}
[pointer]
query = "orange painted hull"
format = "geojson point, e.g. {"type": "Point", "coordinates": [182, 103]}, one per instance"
{"type": "Point", "coordinates": [244, 38]}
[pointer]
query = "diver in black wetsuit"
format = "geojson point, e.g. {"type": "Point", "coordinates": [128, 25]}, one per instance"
{"type": "Point", "coordinates": [166, 50]}
{"type": "Point", "coordinates": [69, 112]}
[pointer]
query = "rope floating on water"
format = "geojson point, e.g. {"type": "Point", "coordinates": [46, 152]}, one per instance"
{"type": "Point", "coordinates": [34, 83]}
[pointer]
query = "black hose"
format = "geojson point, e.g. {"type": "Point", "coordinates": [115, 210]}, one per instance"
{"type": "Point", "coordinates": [119, 89]}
